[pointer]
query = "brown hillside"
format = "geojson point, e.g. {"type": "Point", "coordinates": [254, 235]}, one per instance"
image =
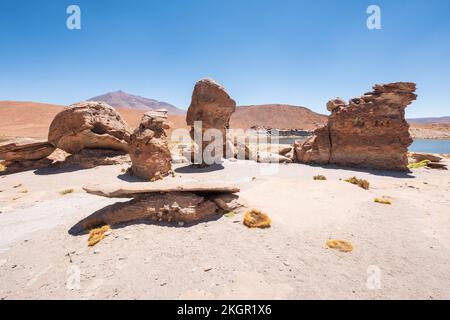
{"type": "Point", "coordinates": [276, 116]}
{"type": "Point", "coordinates": [30, 119]}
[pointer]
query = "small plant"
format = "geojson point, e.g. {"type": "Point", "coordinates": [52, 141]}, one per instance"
{"type": "Point", "coordinates": [66, 191]}
{"type": "Point", "coordinates": [17, 186]}
{"type": "Point", "coordinates": [98, 234]}
{"type": "Point", "coordinates": [341, 245]}
{"type": "Point", "coordinates": [359, 182]}
{"type": "Point", "coordinates": [257, 219]}
{"type": "Point", "coordinates": [383, 200]}
{"type": "Point", "coordinates": [420, 164]}
{"type": "Point", "coordinates": [320, 177]}
{"type": "Point", "coordinates": [24, 191]}
{"type": "Point", "coordinates": [230, 214]}
{"type": "Point", "coordinates": [2, 167]}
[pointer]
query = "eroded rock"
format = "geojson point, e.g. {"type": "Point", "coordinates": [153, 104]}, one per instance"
{"type": "Point", "coordinates": [149, 151]}
{"type": "Point", "coordinates": [211, 105]}
{"type": "Point", "coordinates": [25, 149]}
{"type": "Point", "coordinates": [89, 125]}
{"type": "Point", "coordinates": [369, 131]}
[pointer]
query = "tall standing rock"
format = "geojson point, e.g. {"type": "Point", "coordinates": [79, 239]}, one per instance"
{"type": "Point", "coordinates": [211, 105]}
{"type": "Point", "coordinates": [369, 131]}
{"type": "Point", "coordinates": [149, 151]}
{"type": "Point", "coordinates": [89, 125]}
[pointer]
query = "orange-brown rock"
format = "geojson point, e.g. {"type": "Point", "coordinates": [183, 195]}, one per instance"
{"type": "Point", "coordinates": [369, 131]}
{"type": "Point", "coordinates": [89, 125]}
{"type": "Point", "coordinates": [149, 151]}
{"type": "Point", "coordinates": [182, 207]}
{"type": "Point", "coordinates": [25, 149]}
{"type": "Point", "coordinates": [211, 105]}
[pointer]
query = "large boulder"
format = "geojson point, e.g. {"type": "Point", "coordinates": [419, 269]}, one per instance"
{"type": "Point", "coordinates": [89, 125]}
{"type": "Point", "coordinates": [25, 149]}
{"type": "Point", "coordinates": [149, 151]}
{"type": "Point", "coordinates": [211, 105]}
{"type": "Point", "coordinates": [369, 131]}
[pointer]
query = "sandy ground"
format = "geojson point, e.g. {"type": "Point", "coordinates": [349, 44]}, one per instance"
{"type": "Point", "coordinates": [400, 251]}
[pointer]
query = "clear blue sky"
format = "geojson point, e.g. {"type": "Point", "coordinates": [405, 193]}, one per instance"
{"type": "Point", "coordinates": [263, 51]}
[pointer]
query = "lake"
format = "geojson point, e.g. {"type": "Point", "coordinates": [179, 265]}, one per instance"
{"type": "Point", "coordinates": [419, 145]}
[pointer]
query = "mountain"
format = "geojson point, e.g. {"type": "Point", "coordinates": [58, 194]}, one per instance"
{"type": "Point", "coordinates": [277, 116]}
{"type": "Point", "coordinates": [120, 99]}
{"type": "Point", "coordinates": [440, 120]}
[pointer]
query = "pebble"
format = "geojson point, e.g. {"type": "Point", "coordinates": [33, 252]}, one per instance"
{"type": "Point", "coordinates": [96, 251]}
{"type": "Point", "coordinates": [180, 223]}
{"type": "Point", "coordinates": [128, 237]}
{"type": "Point", "coordinates": [208, 269]}
{"type": "Point", "coordinates": [286, 263]}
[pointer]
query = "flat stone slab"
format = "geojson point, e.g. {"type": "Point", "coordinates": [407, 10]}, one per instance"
{"type": "Point", "coordinates": [130, 190]}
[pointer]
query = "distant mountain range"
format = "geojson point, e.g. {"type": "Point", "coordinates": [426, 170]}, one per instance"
{"type": "Point", "coordinates": [438, 120]}
{"type": "Point", "coordinates": [120, 99]}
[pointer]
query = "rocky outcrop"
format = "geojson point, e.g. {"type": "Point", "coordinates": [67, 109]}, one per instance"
{"type": "Point", "coordinates": [211, 105]}
{"type": "Point", "coordinates": [25, 149]}
{"type": "Point", "coordinates": [149, 151]}
{"type": "Point", "coordinates": [369, 131]}
{"type": "Point", "coordinates": [89, 125]}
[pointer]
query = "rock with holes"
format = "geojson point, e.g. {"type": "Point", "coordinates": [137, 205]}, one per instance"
{"type": "Point", "coordinates": [369, 131]}
{"type": "Point", "coordinates": [89, 125]}
{"type": "Point", "coordinates": [149, 151]}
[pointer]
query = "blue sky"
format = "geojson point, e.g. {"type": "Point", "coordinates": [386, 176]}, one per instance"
{"type": "Point", "coordinates": [263, 51]}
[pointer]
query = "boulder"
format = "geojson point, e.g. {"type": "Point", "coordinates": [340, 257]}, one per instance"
{"type": "Point", "coordinates": [211, 105]}
{"type": "Point", "coordinates": [149, 150]}
{"type": "Point", "coordinates": [418, 157]}
{"type": "Point", "coordinates": [89, 125]}
{"type": "Point", "coordinates": [369, 132]}
{"type": "Point", "coordinates": [335, 104]}
{"type": "Point", "coordinates": [181, 207]}
{"type": "Point", "coordinates": [25, 150]}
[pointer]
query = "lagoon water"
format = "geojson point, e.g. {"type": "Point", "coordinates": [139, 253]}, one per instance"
{"type": "Point", "coordinates": [431, 146]}
{"type": "Point", "coordinates": [419, 145]}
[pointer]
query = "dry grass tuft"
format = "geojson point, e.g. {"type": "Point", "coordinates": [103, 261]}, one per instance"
{"type": "Point", "coordinates": [359, 182]}
{"type": "Point", "coordinates": [341, 245]}
{"type": "Point", "coordinates": [257, 219]}
{"type": "Point", "coordinates": [24, 191]}
{"type": "Point", "coordinates": [97, 235]}
{"type": "Point", "coordinates": [383, 200]}
{"type": "Point", "coordinates": [420, 164]}
{"type": "Point", "coordinates": [17, 186]}
{"type": "Point", "coordinates": [66, 191]}
{"type": "Point", "coordinates": [2, 167]}
{"type": "Point", "coordinates": [320, 177]}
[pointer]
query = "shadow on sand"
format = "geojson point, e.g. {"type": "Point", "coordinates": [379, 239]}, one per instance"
{"type": "Point", "coordinates": [384, 173]}
{"type": "Point", "coordinates": [194, 169]}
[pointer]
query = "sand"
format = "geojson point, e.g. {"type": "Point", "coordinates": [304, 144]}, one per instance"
{"type": "Point", "coordinates": [401, 251]}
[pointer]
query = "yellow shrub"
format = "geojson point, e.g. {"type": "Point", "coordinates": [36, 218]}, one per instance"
{"type": "Point", "coordinates": [97, 235]}
{"type": "Point", "coordinates": [2, 167]}
{"type": "Point", "coordinates": [359, 182]}
{"type": "Point", "coordinates": [383, 200]}
{"type": "Point", "coordinates": [420, 164]}
{"type": "Point", "coordinates": [67, 191]}
{"type": "Point", "coordinates": [341, 245]}
{"type": "Point", "coordinates": [256, 219]}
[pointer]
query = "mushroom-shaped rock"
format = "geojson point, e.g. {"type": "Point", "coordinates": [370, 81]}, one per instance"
{"type": "Point", "coordinates": [89, 125]}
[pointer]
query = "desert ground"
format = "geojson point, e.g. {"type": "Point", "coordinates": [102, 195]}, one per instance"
{"type": "Point", "coordinates": [408, 241]}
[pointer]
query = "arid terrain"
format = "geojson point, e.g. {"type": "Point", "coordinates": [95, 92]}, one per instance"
{"type": "Point", "coordinates": [30, 119]}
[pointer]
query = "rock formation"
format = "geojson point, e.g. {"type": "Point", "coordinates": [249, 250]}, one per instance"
{"type": "Point", "coordinates": [369, 131]}
{"type": "Point", "coordinates": [163, 203]}
{"type": "Point", "coordinates": [89, 125]}
{"type": "Point", "coordinates": [149, 151]}
{"type": "Point", "coordinates": [25, 154]}
{"type": "Point", "coordinates": [211, 105]}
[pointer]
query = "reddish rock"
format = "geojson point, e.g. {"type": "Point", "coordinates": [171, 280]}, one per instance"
{"type": "Point", "coordinates": [149, 151]}
{"type": "Point", "coordinates": [89, 125]}
{"type": "Point", "coordinates": [25, 149]}
{"type": "Point", "coordinates": [211, 105]}
{"type": "Point", "coordinates": [370, 131]}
